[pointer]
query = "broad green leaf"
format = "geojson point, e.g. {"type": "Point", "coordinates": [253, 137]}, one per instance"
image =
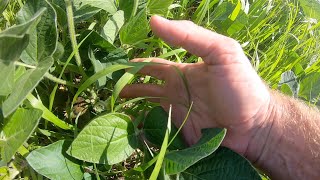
{"type": "Point", "coordinates": [19, 71]}
{"type": "Point", "coordinates": [24, 85]}
{"type": "Point", "coordinates": [107, 5]}
{"type": "Point", "coordinates": [290, 79]}
{"type": "Point", "coordinates": [7, 43]}
{"type": "Point", "coordinates": [81, 12]}
{"type": "Point", "coordinates": [154, 129]}
{"type": "Point", "coordinates": [222, 164]}
{"type": "Point", "coordinates": [127, 7]}
{"type": "Point", "coordinates": [6, 77]}
{"type": "Point", "coordinates": [136, 29]}
{"type": "Point", "coordinates": [17, 38]}
{"type": "Point", "coordinates": [311, 8]}
{"type": "Point", "coordinates": [112, 27]}
{"type": "Point", "coordinates": [58, 54]}
{"type": "Point", "coordinates": [60, 9]}
{"type": "Point", "coordinates": [84, 13]}
{"type": "Point", "coordinates": [163, 149]}
{"type": "Point", "coordinates": [285, 89]}
{"type": "Point", "coordinates": [160, 7]}
{"type": "Point", "coordinates": [96, 40]}
{"type": "Point", "coordinates": [53, 162]}
{"type": "Point", "coordinates": [310, 87]}
{"type": "Point", "coordinates": [178, 161]}
{"type": "Point", "coordinates": [3, 5]}
{"type": "Point", "coordinates": [17, 130]}
{"type": "Point", "coordinates": [43, 36]}
{"type": "Point", "coordinates": [108, 139]}
{"type": "Point", "coordinates": [102, 60]}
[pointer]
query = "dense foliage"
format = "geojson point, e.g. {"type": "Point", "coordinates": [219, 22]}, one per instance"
{"type": "Point", "coordinates": [63, 64]}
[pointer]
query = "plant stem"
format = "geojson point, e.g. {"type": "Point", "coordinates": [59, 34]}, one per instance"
{"type": "Point", "coordinates": [24, 65]}
{"type": "Point", "coordinates": [96, 171]}
{"type": "Point", "coordinates": [59, 81]}
{"type": "Point", "coordinates": [72, 32]}
{"type": "Point", "coordinates": [53, 93]}
{"type": "Point", "coordinates": [181, 126]}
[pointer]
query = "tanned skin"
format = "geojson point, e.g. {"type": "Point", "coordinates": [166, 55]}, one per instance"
{"type": "Point", "coordinates": [278, 134]}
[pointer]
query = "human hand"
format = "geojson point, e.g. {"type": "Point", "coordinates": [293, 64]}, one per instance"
{"type": "Point", "coordinates": [225, 89]}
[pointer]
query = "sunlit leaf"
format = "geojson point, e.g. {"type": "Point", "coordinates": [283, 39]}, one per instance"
{"type": "Point", "coordinates": [17, 130]}
{"type": "Point", "coordinates": [127, 7]}
{"type": "Point", "coordinates": [107, 5]}
{"type": "Point", "coordinates": [311, 8]}
{"type": "Point", "coordinates": [178, 161]}
{"type": "Point", "coordinates": [24, 85]}
{"type": "Point", "coordinates": [112, 27]}
{"type": "Point", "coordinates": [43, 36]}
{"type": "Point", "coordinates": [84, 13]}
{"type": "Point", "coordinates": [222, 164]}
{"type": "Point", "coordinates": [53, 162]}
{"type": "Point", "coordinates": [17, 38]}
{"type": "Point", "coordinates": [107, 139]}
{"type": "Point", "coordinates": [6, 78]}
{"type": "Point", "coordinates": [159, 6]}
{"type": "Point", "coordinates": [310, 87]}
{"type": "Point", "coordinates": [136, 29]}
{"type": "Point", "coordinates": [289, 78]}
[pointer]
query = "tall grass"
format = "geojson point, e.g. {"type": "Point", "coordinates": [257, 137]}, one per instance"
{"type": "Point", "coordinates": [275, 34]}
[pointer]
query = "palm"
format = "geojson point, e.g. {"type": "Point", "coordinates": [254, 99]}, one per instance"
{"type": "Point", "coordinates": [225, 90]}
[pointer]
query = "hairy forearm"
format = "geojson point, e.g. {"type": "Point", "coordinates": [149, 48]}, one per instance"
{"type": "Point", "coordinates": [287, 146]}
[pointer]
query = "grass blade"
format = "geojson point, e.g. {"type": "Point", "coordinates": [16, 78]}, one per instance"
{"type": "Point", "coordinates": [97, 76]}
{"type": "Point", "coordinates": [163, 150]}
{"type": "Point", "coordinates": [123, 81]}
{"type": "Point", "coordinates": [48, 115]}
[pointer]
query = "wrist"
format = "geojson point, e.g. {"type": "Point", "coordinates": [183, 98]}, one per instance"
{"type": "Point", "coordinates": [266, 136]}
{"type": "Point", "coordinates": [285, 143]}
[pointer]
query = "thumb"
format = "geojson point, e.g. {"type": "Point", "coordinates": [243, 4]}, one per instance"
{"type": "Point", "coordinates": [208, 45]}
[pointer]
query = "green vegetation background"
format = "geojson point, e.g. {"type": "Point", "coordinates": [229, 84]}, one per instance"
{"type": "Point", "coordinates": [64, 66]}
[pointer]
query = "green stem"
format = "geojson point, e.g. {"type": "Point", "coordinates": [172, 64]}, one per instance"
{"type": "Point", "coordinates": [72, 32]}
{"type": "Point", "coordinates": [59, 81]}
{"type": "Point", "coordinates": [53, 93]}
{"type": "Point", "coordinates": [96, 171]}
{"type": "Point", "coordinates": [24, 65]}
{"type": "Point", "coordinates": [181, 126]}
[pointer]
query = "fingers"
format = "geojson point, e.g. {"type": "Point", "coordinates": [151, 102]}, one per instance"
{"type": "Point", "coordinates": [161, 71]}
{"type": "Point", "coordinates": [195, 39]}
{"type": "Point", "coordinates": [142, 90]}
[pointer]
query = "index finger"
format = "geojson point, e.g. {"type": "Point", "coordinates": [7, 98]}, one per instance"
{"type": "Point", "coordinates": [195, 39]}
